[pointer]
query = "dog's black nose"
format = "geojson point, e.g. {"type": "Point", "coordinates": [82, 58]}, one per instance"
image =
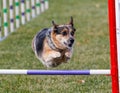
{"type": "Point", "coordinates": [72, 40]}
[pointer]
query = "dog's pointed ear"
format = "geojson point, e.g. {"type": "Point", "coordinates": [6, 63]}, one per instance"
{"type": "Point", "coordinates": [55, 25]}
{"type": "Point", "coordinates": [71, 21]}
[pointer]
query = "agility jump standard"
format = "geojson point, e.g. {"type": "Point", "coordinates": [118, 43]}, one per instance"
{"type": "Point", "coordinates": [14, 13]}
{"type": "Point", "coordinates": [114, 30]}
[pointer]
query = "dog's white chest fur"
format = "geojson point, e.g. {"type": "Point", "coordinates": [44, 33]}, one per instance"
{"type": "Point", "coordinates": [54, 58]}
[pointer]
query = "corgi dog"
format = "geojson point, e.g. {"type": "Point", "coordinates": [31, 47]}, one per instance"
{"type": "Point", "coordinates": [54, 45]}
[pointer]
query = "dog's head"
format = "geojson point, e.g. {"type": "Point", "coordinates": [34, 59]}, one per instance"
{"type": "Point", "coordinates": [63, 35]}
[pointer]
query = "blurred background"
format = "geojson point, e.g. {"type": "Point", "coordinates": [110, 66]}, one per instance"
{"type": "Point", "coordinates": [91, 50]}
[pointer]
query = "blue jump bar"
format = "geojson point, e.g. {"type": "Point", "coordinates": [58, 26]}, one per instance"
{"type": "Point", "coordinates": [58, 72]}
{"type": "Point", "coordinates": [55, 72]}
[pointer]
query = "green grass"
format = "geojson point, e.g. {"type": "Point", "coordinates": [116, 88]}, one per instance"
{"type": "Point", "coordinates": [91, 50]}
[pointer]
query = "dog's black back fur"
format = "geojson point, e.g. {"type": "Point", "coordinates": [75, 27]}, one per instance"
{"type": "Point", "coordinates": [39, 39]}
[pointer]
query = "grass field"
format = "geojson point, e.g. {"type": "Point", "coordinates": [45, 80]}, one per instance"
{"type": "Point", "coordinates": [91, 50]}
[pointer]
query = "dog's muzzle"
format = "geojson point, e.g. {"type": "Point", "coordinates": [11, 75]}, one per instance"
{"type": "Point", "coordinates": [70, 42]}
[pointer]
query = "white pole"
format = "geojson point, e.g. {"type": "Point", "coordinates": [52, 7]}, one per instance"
{"type": "Point", "coordinates": [0, 26]}
{"type": "Point", "coordinates": [0, 20]}
{"type": "Point", "coordinates": [33, 8]}
{"type": "Point", "coordinates": [11, 71]}
{"type": "Point", "coordinates": [46, 4]}
{"type": "Point", "coordinates": [11, 15]}
{"type": "Point", "coordinates": [28, 10]}
{"type": "Point", "coordinates": [117, 2]}
{"type": "Point", "coordinates": [5, 18]}
{"type": "Point", "coordinates": [23, 12]}
{"type": "Point", "coordinates": [42, 6]}
{"type": "Point", "coordinates": [38, 7]}
{"type": "Point", "coordinates": [99, 72]}
{"type": "Point", "coordinates": [17, 14]}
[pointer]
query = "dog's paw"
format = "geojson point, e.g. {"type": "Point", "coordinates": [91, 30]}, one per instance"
{"type": "Point", "coordinates": [68, 54]}
{"type": "Point", "coordinates": [56, 54]}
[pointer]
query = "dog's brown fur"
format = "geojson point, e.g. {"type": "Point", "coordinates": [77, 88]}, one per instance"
{"type": "Point", "coordinates": [60, 51]}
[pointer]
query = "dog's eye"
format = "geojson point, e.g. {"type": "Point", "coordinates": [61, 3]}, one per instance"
{"type": "Point", "coordinates": [72, 33]}
{"type": "Point", "coordinates": [64, 33]}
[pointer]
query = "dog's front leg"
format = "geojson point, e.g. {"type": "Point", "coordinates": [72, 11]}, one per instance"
{"type": "Point", "coordinates": [50, 55]}
{"type": "Point", "coordinates": [68, 53]}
